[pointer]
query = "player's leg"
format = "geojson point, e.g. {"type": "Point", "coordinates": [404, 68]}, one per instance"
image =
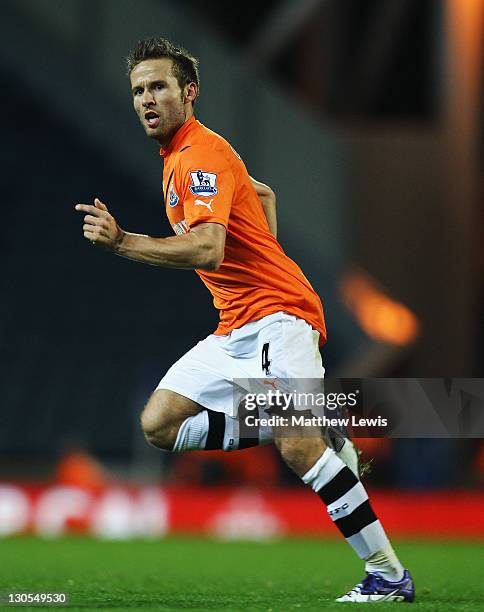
{"type": "Point", "coordinates": [193, 407]}
{"type": "Point", "coordinates": [349, 508]}
{"type": "Point", "coordinates": [296, 359]}
{"type": "Point", "coordinates": [163, 416]}
{"type": "Point", "coordinates": [173, 422]}
{"type": "Point", "coordinates": [289, 349]}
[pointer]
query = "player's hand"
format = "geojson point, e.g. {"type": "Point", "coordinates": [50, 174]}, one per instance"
{"type": "Point", "coordinates": [100, 226]}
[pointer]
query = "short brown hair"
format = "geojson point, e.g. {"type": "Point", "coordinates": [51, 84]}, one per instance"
{"type": "Point", "coordinates": [185, 66]}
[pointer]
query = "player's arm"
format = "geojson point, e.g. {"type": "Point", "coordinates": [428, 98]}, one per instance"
{"type": "Point", "coordinates": [201, 248]}
{"type": "Point", "coordinates": [268, 200]}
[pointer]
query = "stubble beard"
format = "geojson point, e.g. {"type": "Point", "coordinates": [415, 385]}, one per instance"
{"type": "Point", "coordinates": [169, 126]}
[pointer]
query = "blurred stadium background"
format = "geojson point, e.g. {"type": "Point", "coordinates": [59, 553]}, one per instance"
{"type": "Point", "coordinates": [367, 118]}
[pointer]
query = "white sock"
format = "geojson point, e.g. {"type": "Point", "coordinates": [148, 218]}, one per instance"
{"type": "Point", "coordinates": [193, 433]}
{"type": "Point", "coordinates": [325, 468]}
{"type": "Point", "coordinates": [386, 563]}
{"type": "Point", "coordinates": [349, 508]}
{"type": "Point", "coordinates": [211, 430]}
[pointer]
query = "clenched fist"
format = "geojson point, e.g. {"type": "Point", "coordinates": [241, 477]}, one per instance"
{"type": "Point", "coordinates": [100, 226]}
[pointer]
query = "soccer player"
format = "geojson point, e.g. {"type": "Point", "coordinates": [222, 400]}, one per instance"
{"type": "Point", "coordinates": [271, 319]}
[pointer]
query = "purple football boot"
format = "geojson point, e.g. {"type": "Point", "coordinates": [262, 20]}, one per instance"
{"type": "Point", "coordinates": [374, 588]}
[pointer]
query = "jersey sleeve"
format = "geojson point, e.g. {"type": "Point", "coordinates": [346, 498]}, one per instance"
{"type": "Point", "coordinates": [206, 185]}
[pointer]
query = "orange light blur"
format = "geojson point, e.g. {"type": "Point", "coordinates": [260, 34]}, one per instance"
{"type": "Point", "coordinates": [380, 317]}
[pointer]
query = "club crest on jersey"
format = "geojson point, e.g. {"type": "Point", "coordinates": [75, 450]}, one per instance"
{"type": "Point", "coordinates": [174, 199]}
{"type": "Point", "coordinates": [203, 183]}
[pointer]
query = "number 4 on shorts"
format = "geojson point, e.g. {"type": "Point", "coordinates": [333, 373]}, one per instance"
{"type": "Point", "coordinates": [266, 362]}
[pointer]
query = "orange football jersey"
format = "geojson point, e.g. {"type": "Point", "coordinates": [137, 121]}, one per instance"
{"type": "Point", "coordinates": [205, 181]}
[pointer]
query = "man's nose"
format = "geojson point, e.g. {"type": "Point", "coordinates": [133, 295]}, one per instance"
{"type": "Point", "coordinates": [147, 98]}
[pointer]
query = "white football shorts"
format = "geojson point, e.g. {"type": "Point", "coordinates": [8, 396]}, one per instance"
{"type": "Point", "coordinates": [278, 346]}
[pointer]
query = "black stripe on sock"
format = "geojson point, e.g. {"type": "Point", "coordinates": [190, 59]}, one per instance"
{"type": "Point", "coordinates": [338, 486]}
{"type": "Point", "coordinates": [361, 516]}
{"type": "Point", "coordinates": [248, 434]}
{"type": "Point", "coordinates": [216, 430]}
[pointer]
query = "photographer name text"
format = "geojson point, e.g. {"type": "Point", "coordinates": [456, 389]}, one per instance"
{"type": "Point", "coordinates": [315, 421]}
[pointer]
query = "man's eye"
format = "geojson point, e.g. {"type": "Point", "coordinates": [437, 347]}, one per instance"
{"type": "Point", "coordinates": [159, 86]}
{"type": "Point", "coordinates": [137, 92]}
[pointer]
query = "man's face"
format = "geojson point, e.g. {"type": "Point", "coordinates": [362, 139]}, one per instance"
{"type": "Point", "coordinates": [158, 99]}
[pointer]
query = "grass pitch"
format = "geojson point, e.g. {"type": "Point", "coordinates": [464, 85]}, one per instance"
{"type": "Point", "coordinates": [198, 574]}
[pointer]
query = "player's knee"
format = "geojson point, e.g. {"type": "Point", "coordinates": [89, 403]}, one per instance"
{"type": "Point", "coordinates": [163, 415]}
{"type": "Point", "coordinates": [156, 435]}
{"type": "Point", "coordinates": [157, 427]}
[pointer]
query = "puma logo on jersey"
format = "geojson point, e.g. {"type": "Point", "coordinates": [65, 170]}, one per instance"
{"type": "Point", "coordinates": [207, 204]}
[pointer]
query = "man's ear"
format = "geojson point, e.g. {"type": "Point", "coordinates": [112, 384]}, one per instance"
{"type": "Point", "coordinates": [191, 92]}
